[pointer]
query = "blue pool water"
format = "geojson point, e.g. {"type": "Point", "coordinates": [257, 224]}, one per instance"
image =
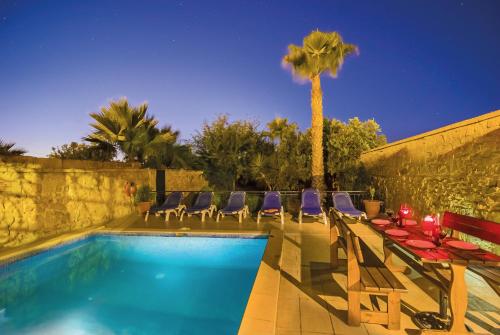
{"type": "Point", "coordinates": [131, 285]}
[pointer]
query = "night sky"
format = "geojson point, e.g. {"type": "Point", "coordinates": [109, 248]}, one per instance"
{"type": "Point", "coordinates": [422, 64]}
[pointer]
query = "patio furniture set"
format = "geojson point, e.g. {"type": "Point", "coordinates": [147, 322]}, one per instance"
{"type": "Point", "coordinates": [432, 248]}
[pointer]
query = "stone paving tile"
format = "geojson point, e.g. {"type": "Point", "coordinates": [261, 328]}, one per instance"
{"type": "Point", "coordinates": [281, 331]}
{"type": "Point", "coordinates": [314, 316]}
{"type": "Point", "coordinates": [256, 327]}
{"type": "Point", "coordinates": [338, 317]}
{"type": "Point", "coordinates": [288, 317]}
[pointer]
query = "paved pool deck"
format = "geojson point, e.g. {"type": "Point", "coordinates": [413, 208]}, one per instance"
{"type": "Point", "coordinates": [296, 291]}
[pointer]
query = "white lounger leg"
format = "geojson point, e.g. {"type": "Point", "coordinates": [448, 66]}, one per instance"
{"type": "Point", "coordinates": [146, 217]}
{"type": "Point", "coordinates": [300, 217]}
{"type": "Point", "coordinates": [282, 217]}
{"type": "Point", "coordinates": [212, 209]}
{"type": "Point", "coordinates": [182, 216]}
{"type": "Point", "coordinates": [203, 216]}
{"type": "Point", "coordinates": [258, 217]}
{"type": "Point", "coordinates": [325, 220]}
{"type": "Point", "coordinates": [240, 216]}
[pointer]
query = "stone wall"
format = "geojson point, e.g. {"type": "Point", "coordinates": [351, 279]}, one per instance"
{"type": "Point", "coordinates": [41, 197]}
{"type": "Point", "coordinates": [184, 180]}
{"type": "Point", "coordinates": [454, 168]}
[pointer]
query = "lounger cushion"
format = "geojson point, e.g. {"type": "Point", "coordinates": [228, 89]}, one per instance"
{"type": "Point", "coordinates": [311, 211]}
{"type": "Point", "coordinates": [161, 208]}
{"type": "Point", "coordinates": [271, 211]}
{"type": "Point", "coordinates": [231, 210]}
{"type": "Point", "coordinates": [196, 209]}
{"type": "Point", "coordinates": [352, 212]}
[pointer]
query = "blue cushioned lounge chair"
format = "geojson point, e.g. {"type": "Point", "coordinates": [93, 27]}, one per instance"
{"type": "Point", "coordinates": [271, 206]}
{"type": "Point", "coordinates": [235, 206]}
{"type": "Point", "coordinates": [311, 205]}
{"type": "Point", "coordinates": [202, 206]}
{"type": "Point", "coordinates": [343, 204]}
{"type": "Point", "coordinates": [171, 205]}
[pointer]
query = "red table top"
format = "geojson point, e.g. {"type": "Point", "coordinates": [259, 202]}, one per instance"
{"type": "Point", "coordinates": [441, 254]}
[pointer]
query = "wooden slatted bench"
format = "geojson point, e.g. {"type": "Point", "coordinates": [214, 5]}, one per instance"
{"type": "Point", "coordinates": [367, 274]}
{"type": "Point", "coordinates": [483, 229]}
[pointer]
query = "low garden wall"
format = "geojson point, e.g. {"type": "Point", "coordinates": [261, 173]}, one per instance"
{"type": "Point", "coordinates": [184, 180]}
{"type": "Point", "coordinates": [40, 197]}
{"type": "Point", "coordinates": [455, 168]}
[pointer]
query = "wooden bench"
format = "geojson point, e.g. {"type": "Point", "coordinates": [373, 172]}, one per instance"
{"type": "Point", "coordinates": [483, 229]}
{"type": "Point", "coordinates": [367, 274]}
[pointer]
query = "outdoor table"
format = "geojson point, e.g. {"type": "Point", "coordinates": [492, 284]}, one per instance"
{"type": "Point", "coordinates": [433, 258]}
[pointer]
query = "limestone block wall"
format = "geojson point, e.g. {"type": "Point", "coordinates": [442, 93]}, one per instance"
{"type": "Point", "coordinates": [184, 180]}
{"type": "Point", "coordinates": [454, 168]}
{"type": "Point", "coordinates": [40, 197]}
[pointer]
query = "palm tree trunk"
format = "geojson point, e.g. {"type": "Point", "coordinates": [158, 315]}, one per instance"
{"type": "Point", "coordinates": [318, 170]}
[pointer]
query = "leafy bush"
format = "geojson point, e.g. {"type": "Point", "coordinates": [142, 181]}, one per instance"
{"type": "Point", "coordinates": [8, 149]}
{"type": "Point", "coordinates": [143, 194]}
{"type": "Point", "coordinates": [226, 150]}
{"type": "Point", "coordinates": [344, 143]}
{"type": "Point", "coordinates": [96, 151]}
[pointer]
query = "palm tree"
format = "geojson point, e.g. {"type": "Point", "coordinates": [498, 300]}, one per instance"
{"type": "Point", "coordinates": [321, 52]}
{"type": "Point", "coordinates": [132, 131]}
{"type": "Point", "coordinates": [7, 149]}
{"type": "Point", "coordinates": [279, 128]}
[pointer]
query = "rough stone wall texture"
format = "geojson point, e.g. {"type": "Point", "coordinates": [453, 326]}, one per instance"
{"type": "Point", "coordinates": [41, 197]}
{"type": "Point", "coordinates": [184, 180]}
{"type": "Point", "coordinates": [455, 168]}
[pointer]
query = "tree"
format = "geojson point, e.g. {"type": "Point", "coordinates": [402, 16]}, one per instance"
{"type": "Point", "coordinates": [96, 151]}
{"type": "Point", "coordinates": [226, 151]}
{"type": "Point", "coordinates": [284, 163]}
{"type": "Point", "coordinates": [321, 52]}
{"type": "Point", "coordinates": [133, 132]}
{"type": "Point", "coordinates": [344, 143]}
{"type": "Point", "coordinates": [8, 149]}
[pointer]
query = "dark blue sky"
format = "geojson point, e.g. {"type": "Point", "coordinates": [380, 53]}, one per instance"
{"type": "Point", "coordinates": [422, 64]}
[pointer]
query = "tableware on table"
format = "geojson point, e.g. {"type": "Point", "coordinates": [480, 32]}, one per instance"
{"type": "Point", "coordinates": [420, 244]}
{"type": "Point", "coordinates": [444, 232]}
{"type": "Point", "coordinates": [436, 235]}
{"type": "Point", "coordinates": [381, 222]}
{"type": "Point", "coordinates": [397, 232]}
{"type": "Point", "coordinates": [409, 222]}
{"type": "Point", "coordinates": [462, 245]}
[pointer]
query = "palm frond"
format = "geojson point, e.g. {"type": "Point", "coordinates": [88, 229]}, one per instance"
{"type": "Point", "coordinates": [8, 149]}
{"type": "Point", "coordinates": [320, 52]}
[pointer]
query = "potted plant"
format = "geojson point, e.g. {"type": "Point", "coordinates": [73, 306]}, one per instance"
{"type": "Point", "coordinates": [372, 207]}
{"type": "Point", "coordinates": [143, 199]}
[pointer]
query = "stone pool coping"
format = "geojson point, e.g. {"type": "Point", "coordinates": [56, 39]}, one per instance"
{"type": "Point", "coordinates": [260, 313]}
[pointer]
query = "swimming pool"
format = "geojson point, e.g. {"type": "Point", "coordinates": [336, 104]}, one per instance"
{"type": "Point", "coordinates": [110, 284]}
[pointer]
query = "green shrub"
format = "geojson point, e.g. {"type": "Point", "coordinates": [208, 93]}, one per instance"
{"type": "Point", "coordinates": [143, 194]}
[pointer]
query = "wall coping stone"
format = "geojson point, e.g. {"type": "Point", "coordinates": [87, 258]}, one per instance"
{"type": "Point", "coordinates": [453, 126]}
{"type": "Point", "coordinates": [62, 164]}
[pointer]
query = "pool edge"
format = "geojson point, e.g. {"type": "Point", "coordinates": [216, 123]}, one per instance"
{"type": "Point", "coordinates": [261, 310]}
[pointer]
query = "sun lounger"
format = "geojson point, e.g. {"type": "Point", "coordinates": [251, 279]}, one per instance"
{"type": "Point", "coordinates": [171, 205]}
{"type": "Point", "coordinates": [271, 206]}
{"type": "Point", "coordinates": [343, 204]}
{"type": "Point", "coordinates": [311, 205]}
{"type": "Point", "coordinates": [235, 206]}
{"type": "Point", "coordinates": [202, 206]}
